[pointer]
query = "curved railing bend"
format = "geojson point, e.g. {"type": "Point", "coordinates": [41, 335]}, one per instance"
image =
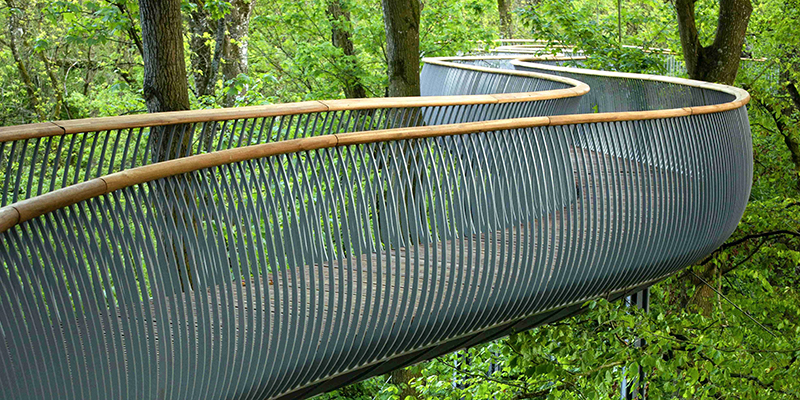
{"type": "Point", "coordinates": [287, 268]}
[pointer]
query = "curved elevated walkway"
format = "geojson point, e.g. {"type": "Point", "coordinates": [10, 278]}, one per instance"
{"type": "Point", "coordinates": [292, 249]}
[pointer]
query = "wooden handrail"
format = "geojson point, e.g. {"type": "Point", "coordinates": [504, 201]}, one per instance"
{"type": "Point", "coordinates": [45, 129]}
{"type": "Point", "coordinates": [527, 49]}
{"type": "Point", "coordinates": [25, 210]}
{"type": "Point", "coordinates": [741, 97]}
{"type": "Point", "coordinates": [538, 58]}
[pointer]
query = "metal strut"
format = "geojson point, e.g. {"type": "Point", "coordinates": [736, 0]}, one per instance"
{"type": "Point", "coordinates": [637, 390]}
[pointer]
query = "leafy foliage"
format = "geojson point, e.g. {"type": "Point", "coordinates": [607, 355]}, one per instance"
{"type": "Point", "coordinates": [592, 28]}
{"type": "Point", "coordinates": [78, 56]}
{"type": "Point", "coordinates": [748, 345]}
{"type": "Point", "coordinates": [82, 58]}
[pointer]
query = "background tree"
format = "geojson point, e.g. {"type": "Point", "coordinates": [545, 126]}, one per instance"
{"type": "Point", "coordinates": [205, 21]}
{"type": "Point", "coordinates": [402, 18]}
{"type": "Point", "coordinates": [235, 49]}
{"type": "Point", "coordinates": [15, 31]}
{"type": "Point", "coordinates": [339, 16]}
{"type": "Point", "coordinates": [506, 23]}
{"type": "Point", "coordinates": [719, 61]}
{"type": "Point", "coordinates": [165, 85]}
{"type": "Point", "coordinates": [83, 58]}
{"type": "Point", "coordinates": [79, 59]}
{"type": "Point", "coordinates": [219, 41]}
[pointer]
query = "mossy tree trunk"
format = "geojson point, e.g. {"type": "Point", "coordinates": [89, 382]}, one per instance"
{"type": "Point", "coordinates": [401, 20]}
{"type": "Point", "coordinates": [235, 52]}
{"type": "Point", "coordinates": [719, 61]}
{"type": "Point", "coordinates": [339, 17]}
{"type": "Point", "coordinates": [506, 23]}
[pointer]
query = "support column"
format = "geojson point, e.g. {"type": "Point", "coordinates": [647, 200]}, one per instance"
{"type": "Point", "coordinates": [637, 390]}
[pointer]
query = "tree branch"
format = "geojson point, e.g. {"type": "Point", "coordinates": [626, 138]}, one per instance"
{"type": "Point", "coordinates": [740, 263]}
{"type": "Point", "coordinates": [566, 384]}
{"type": "Point", "coordinates": [488, 378]}
{"type": "Point", "coordinates": [749, 237]}
{"type": "Point", "coordinates": [687, 28]}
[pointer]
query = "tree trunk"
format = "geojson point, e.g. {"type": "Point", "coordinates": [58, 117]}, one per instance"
{"type": "Point", "coordinates": [199, 25]}
{"type": "Point", "coordinates": [48, 66]}
{"type": "Point", "coordinates": [703, 294]}
{"type": "Point", "coordinates": [235, 49]}
{"type": "Point", "coordinates": [215, 61]}
{"type": "Point", "coordinates": [230, 45]}
{"type": "Point", "coordinates": [339, 17]}
{"type": "Point", "coordinates": [506, 27]}
{"type": "Point", "coordinates": [402, 379]}
{"type": "Point", "coordinates": [165, 86]}
{"type": "Point", "coordinates": [401, 20]}
{"type": "Point", "coordinates": [166, 89]}
{"type": "Point", "coordinates": [13, 30]}
{"type": "Point", "coordinates": [718, 62]}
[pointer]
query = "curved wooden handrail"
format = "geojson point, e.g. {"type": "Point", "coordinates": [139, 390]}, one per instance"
{"type": "Point", "coordinates": [544, 45]}
{"type": "Point", "coordinates": [45, 129]}
{"type": "Point", "coordinates": [539, 58]}
{"type": "Point", "coordinates": [522, 49]}
{"type": "Point", "coordinates": [25, 210]}
{"type": "Point", "coordinates": [741, 96]}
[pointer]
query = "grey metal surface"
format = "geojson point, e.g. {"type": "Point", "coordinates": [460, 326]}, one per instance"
{"type": "Point", "coordinates": [283, 276]}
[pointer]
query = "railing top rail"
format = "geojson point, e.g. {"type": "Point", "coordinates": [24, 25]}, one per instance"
{"type": "Point", "coordinates": [537, 49]}
{"type": "Point", "coordinates": [543, 57]}
{"type": "Point", "coordinates": [44, 129]}
{"type": "Point", "coordinates": [25, 210]}
{"type": "Point", "coordinates": [741, 96]}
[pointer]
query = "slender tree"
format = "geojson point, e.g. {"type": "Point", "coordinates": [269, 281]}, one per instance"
{"type": "Point", "coordinates": [401, 20]}
{"type": "Point", "coordinates": [506, 27]}
{"type": "Point", "coordinates": [14, 30]}
{"type": "Point", "coordinates": [236, 44]}
{"type": "Point", "coordinates": [339, 17]}
{"type": "Point", "coordinates": [200, 23]}
{"type": "Point", "coordinates": [719, 61]}
{"type": "Point", "coordinates": [227, 53]}
{"type": "Point", "coordinates": [165, 85]}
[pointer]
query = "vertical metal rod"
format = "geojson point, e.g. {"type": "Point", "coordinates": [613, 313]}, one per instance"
{"type": "Point", "coordinates": [637, 389]}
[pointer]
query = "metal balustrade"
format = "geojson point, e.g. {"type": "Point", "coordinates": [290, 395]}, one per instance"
{"type": "Point", "coordinates": [619, 92]}
{"type": "Point", "coordinates": [286, 266]}
{"type": "Point", "coordinates": [671, 62]}
{"type": "Point", "coordinates": [40, 158]}
{"type": "Point", "coordinates": [616, 92]}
